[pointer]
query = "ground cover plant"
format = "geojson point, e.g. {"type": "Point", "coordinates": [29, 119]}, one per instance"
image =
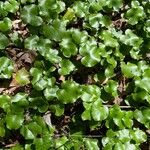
{"type": "Point", "coordinates": [74, 74]}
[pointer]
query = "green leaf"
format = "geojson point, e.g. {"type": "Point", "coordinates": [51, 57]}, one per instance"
{"type": "Point", "coordinates": [109, 71]}
{"type": "Point", "coordinates": [124, 135]}
{"type": "Point", "coordinates": [80, 8]}
{"type": "Point", "coordinates": [143, 82]}
{"type": "Point", "coordinates": [35, 128]}
{"type": "Point", "coordinates": [31, 42]}
{"type": "Point", "coordinates": [57, 109]}
{"type": "Point", "coordinates": [14, 121]}
{"type": "Point", "coordinates": [17, 147]}
{"type": "Point", "coordinates": [50, 93]}
{"type": "Point", "coordinates": [91, 144]}
{"type": "Point", "coordinates": [27, 133]}
{"type": "Point", "coordinates": [127, 119]}
{"type": "Point", "coordinates": [41, 143]}
{"type": "Point", "coordinates": [36, 73]}
{"type": "Point", "coordinates": [98, 111]}
{"type": "Point", "coordinates": [60, 142]}
{"type": "Point", "coordinates": [5, 24]}
{"type": "Point", "coordinates": [131, 39]}
{"type": "Point", "coordinates": [91, 53]}
{"type": "Point", "coordinates": [69, 93]}
{"type": "Point", "coordinates": [69, 15]}
{"type": "Point", "coordinates": [86, 115]}
{"type": "Point", "coordinates": [112, 88]}
{"type": "Point", "coordinates": [128, 145]}
{"type": "Point", "coordinates": [130, 70]}
{"type": "Point", "coordinates": [96, 6]}
{"type": "Point", "coordinates": [30, 15]}
{"type": "Point", "coordinates": [20, 99]}
{"type": "Point", "coordinates": [138, 136]}
{"type": "Point", "coordinates": [47, 11]}
{"type": "Point", "coordinates": [109, 39]}
{"type": "Point", "coordinates": [135, 13]}
{"type": "Point", "coordinates": [22, 77]}
{"type": "Point", "coordinates": [68, 48]}
{"type": "Point", "coordinates": [141, 95]}
{"type": "Point", "coordinates": [115, 4]}
{"type": "Point", "coordinates": [2, 128]}
{"type": "Point", "coordinates": [94, 20]}
{"type": "Point", "coordinates": [90, 93]}
{"type": "Point", "coordinates": [4, 102]}
{"type": "Point", "coordinates": [55, 31]}
{"type": "Point", "coordinates": [3, 41]}
{"type": "Point", "coordinates": [115, 117]}
{"type": "Point", "coordinates": [50, 55]}
{"type": "Point", "coordinates": [142, 116]}
{"type": "Point", "coordinates": [6, 68]}
{"type": "Point", "coordinates": [3, 12]}
{"type": "Point", "coordinates": [97, 20]}
{"type": "Point", "coordinates": [78, 36]}
{"type": "Point", "coordinates": [11, 6]}
{"type": "Point", "coordinates": [66, 67]}
{"type": "Point", "coordinates": [119, 146]}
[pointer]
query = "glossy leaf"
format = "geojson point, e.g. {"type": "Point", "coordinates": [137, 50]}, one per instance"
{"type": "Point", "coordinates": [6, 68]}
{"type": "Point", "coordinates": [66, 67]}
{"type": "Point", "coordinates": [3, 41]}
{"type": "Point", "coordinates": [22, 77]}
{"type": "Point", "coordinates": [67, 94]}
{"type": "Point", "coordinates": [14, 121]}
{"type": "Point", "coordinates": [98, 111]}
{"type": "Point", "coordinates": [30, 15]}
{"type": "Point", "coordinates": [91, 144]}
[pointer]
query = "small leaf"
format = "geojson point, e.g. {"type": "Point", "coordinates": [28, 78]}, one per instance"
{"type": "Point", "coordinates": [69, 93]}
{"type": "Point", "coordinates": [3, 41]}
{"type": "Point", "coordinates": [4, 102]}
{"type": "Point", "coordinates": [109, 39]}
{"type": "Point", "coordinates": [69, 15]}
{"type": "Point", "coordinates": [86, 115]}
{"type": "Point", "coordinates": [90, 93]}
{"type": "Point", "coordinates": [98, 111]}
{"type": "Point", "coordinates": [31, 42]}
{"type": "Point", "coordinates": [20, 99]}
{"type": "Point", "coordinates": [57, 109]}
{"type": "Point", "coordinates": [68, 48]}
{"type": "Point", "coordinates": [91, 144]}
{"type": "Point", "coordinates": [116, 4]}
{"type": "Point", "coordinates": [131, 39]}
{"type": "Point", "coordinates": [5, 25]}
{"type": "Point", "coordinates": [135, 13]}
{"type": "Point", "coordinates": [138, 136]}
{"type": "Point", "coordinates": [130, 70]}
{"type": "Point", "coordinates": [29, 14]}
{"type": "Point", "coordinates": [6, 68]}
{"type": "Point", "coordinates": [27, 133]}
{"type": "Point", "coordinates": [60, 142]}
{"type": "Point", "coordinates": [66, 67]}
{"type": "Point", "coordinates": [22, 77]}
{"type": "Point", "coordinates": [11, 6]}
{"type": "Point", "coordinates": [112, 88]}
{"type": "Point", "coordinates": [14, 121]}
{"type": "Point", "coordinates": [50, 92]}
